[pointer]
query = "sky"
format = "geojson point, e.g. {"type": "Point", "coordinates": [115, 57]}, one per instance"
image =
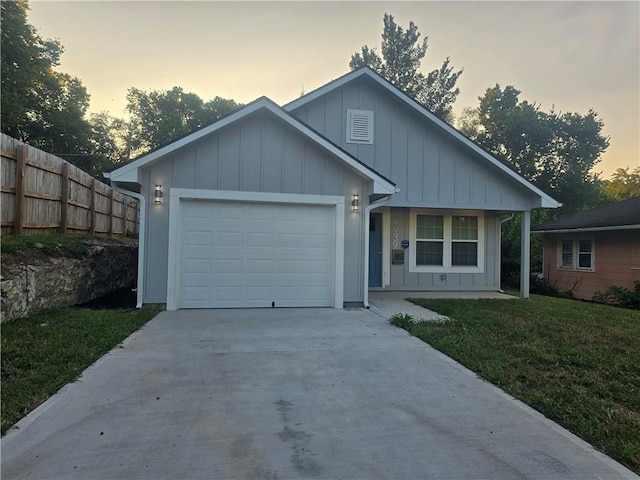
{"type": "Point", "coordinates": [571, 56]}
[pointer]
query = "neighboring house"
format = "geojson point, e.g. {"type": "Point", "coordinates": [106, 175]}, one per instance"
{"type": "Point", "coordinates": [591, 251]}
{"type": "Point", "coordinates": [350, 187]}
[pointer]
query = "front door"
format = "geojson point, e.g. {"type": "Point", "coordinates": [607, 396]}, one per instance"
{"type": "Point", "coordinates": [375, 250]}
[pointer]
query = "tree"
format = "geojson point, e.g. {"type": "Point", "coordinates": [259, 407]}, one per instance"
{"type": "Point", "coordinates": [402, 54]}
{"type": "Point", "coordinates": [158, 117]}
{"type": "Point", "coordinates": [40, 106]}
{"type": "Point", "coordinates": [555, 151]}
{"type": "Point", "coordinates": [110, 141]}
{"type": "Point", "coordinates": [623, 185]}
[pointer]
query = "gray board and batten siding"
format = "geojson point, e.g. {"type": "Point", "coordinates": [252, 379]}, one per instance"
{"type": "Point", "coordinates": [401, 278]}
{"type": "Point", "coordinates": [431, 168]}
{"type": "Point", "coordinates": [259, 153]}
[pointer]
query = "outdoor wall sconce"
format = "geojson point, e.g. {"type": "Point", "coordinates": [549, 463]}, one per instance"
{"type": "Point", "coordinates": [354, 203]}
{"type": "Point", "coordinates": [158, 195]}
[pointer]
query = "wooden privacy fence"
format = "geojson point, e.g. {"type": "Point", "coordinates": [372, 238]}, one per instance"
{"type": "Point", "coordinates": [44, 194]}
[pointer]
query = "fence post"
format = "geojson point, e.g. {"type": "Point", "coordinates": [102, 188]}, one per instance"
{"type": "Point", "coordinates": [64, 198]}
{"type": "Point", "coordinates": [111, 201]}
{"type": "Point", "coordinates": [19, 200]}
{"type": "Point", "coordinates": [92, 219]}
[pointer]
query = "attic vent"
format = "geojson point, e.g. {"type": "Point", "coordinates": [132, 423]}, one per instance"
{"type": "Point", "coordinates": [359, 126]}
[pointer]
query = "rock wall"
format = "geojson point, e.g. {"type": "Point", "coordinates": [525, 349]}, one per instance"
{"type": "Point", "coordinates": [35, 281]}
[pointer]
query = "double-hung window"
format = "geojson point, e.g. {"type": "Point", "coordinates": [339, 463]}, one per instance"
{"type": "Point", "coordinates": [576, 254]}
{"type": "Point", "coordinates": [446, 242]}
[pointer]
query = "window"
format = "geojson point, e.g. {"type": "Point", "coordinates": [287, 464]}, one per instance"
{"type": "Point", "coordinates": [464, 235]}
{"type": "Point", "coordinates": [584, 254]}
{"type": "Point", "coordinates": [567, 254]}
{"type": "Point", "coordinates": [446, 242]}
{"type": "Point", "coordinates": [576, 254]}
{"type": "Point", "coordinates": [359, 126]}
{"type": "Point", "coordinates": [430, 240]}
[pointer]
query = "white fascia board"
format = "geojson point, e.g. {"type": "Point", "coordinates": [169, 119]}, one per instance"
{"type": "Point", "coordinates": [545, 200]}
{"type": "Point", "coordinates": [589, 229]}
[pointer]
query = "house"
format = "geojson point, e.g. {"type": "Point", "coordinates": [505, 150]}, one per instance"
{"type": "Point", "coordinates": [591, 251]}
{"type": "Point", "coordinates": [350, 187]}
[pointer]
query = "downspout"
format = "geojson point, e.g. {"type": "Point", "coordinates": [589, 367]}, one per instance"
{"type": "Point", "coordinates": [367, 210]}
{"type": "Point", "coordinates": [141, 240]}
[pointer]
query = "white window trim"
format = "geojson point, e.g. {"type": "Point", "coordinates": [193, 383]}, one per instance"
{"type": "Point", "coordinates": [361, 113]}
{"type": "Point", "coordinates": [575, 254]}
{"type": "Point", "coordinates": [447, 267]}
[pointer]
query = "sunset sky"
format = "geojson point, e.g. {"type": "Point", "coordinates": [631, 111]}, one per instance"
{"type": "Point", "coordinates": [571, 55]}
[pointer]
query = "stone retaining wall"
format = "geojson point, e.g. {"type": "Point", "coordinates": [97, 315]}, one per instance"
{"type": "Point", "coordinates": [34, 282]}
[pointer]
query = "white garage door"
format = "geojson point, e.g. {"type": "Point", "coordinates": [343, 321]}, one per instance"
{"type": "Point", "coordinates": [256, 255]}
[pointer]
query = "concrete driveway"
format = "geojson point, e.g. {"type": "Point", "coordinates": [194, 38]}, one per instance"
{"type": "Point", "coordinates": [287, 394]}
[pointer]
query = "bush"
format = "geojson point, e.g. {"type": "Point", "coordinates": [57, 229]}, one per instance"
{"type": "Point", "coordinates": [620, 296]}
{"type": "Point", "coordinates": [539, 285]}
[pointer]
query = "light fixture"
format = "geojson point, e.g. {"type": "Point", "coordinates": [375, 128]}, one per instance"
{"type": "Point", "coordinates": [158, 195]}
{"type": "Point", "coordinates": [354, 203]}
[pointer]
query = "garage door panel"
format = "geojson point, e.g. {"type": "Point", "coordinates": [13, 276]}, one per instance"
{"type": "Point", "coordinates": [259, 265]}
{"type": "Point", "coordinates": [317, 267]}
{"type": "Point", "coordinates": [229, 239]}
{"type": "Point", "coordinates": [259, 239]}
{"type": "Point", "coordinates": [195, 238]}
{"type": "Point", "coordinates": [252, 254]}
{"type": "Point", "coordinates": [196, 293]}
{"type": "Point", "coordinates": [228, 265]}
{"type": "Point", "coordinates": [197, 265]}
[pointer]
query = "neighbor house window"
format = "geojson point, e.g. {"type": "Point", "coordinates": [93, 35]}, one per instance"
{"type": "Point", "coordinates": [446, 242]}
{"type": "Point", "coordinates": [567, 254]}
{"type": "Point", "coordinates": [576, 254]}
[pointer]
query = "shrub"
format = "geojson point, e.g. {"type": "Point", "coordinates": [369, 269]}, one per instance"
{"type": "Point", "coordinates": [538, 284]}
{"type": "Point", "coordinates": [620, 296]}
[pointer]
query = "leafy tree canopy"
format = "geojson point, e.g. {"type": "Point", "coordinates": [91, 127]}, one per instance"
{"type": "Point", "coordinates": [623, 184]}
{"type": "Point", "coordinates": [401, 56]}
{"type": "Point", "coordinates": [39, 105]}
{"type": "Point", "coordinates": [553, 150]}
{"type": "Point", "coordinates": [160, 116]}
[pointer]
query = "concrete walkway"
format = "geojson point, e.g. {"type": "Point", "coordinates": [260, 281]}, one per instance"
{"type": "Point", "coordinates": [388, 302]}
{"type": "Point", "coordinates": [288, 394]}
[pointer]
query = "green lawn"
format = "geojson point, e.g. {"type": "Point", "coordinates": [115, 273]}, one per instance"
{"type": "Point", "coordinates": [577, 363]}
{"type": "Point", "coordinates": [43, 352]}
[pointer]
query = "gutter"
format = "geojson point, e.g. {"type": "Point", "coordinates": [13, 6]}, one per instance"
{"type": "Point", "coordinates": [588, 229]}
{"type": "Point", "coordinates": [367, 211]}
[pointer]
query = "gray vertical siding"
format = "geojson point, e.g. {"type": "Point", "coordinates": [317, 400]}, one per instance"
{"type": "Point", "coordinates": [259, 154]}
{"type": "Point", "coordinates": [428, 166]}
{"type": "Point", "coordinates": [401, 278]}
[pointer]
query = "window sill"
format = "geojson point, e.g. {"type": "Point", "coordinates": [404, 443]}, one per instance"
{"type": "Point", "coordinates": [571, 269]}
{"type": "Point", "coordinates": [430, 269]}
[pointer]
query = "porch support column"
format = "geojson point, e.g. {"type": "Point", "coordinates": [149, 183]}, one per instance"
{"type": "Point", "coordinates": [525, 254]}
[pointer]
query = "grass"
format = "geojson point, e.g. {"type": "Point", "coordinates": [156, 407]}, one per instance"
{"type": "Point", "coordinates": [575, 362]}
{"type": "Point", "coordinates": [43, 352]}
{"type": "Point", "coordinates": [73, 245]}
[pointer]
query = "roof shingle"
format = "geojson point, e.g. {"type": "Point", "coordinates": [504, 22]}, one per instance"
{"type": "Point", "coordinates": [615, 215]}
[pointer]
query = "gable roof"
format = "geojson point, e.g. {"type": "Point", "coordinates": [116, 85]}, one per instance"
{"type": "Point", "coordinates": [366, 72]}
{"type": "Point", "coordinates": [613, 216]}
{"type": "Point", "coordinates": [129, 173]}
